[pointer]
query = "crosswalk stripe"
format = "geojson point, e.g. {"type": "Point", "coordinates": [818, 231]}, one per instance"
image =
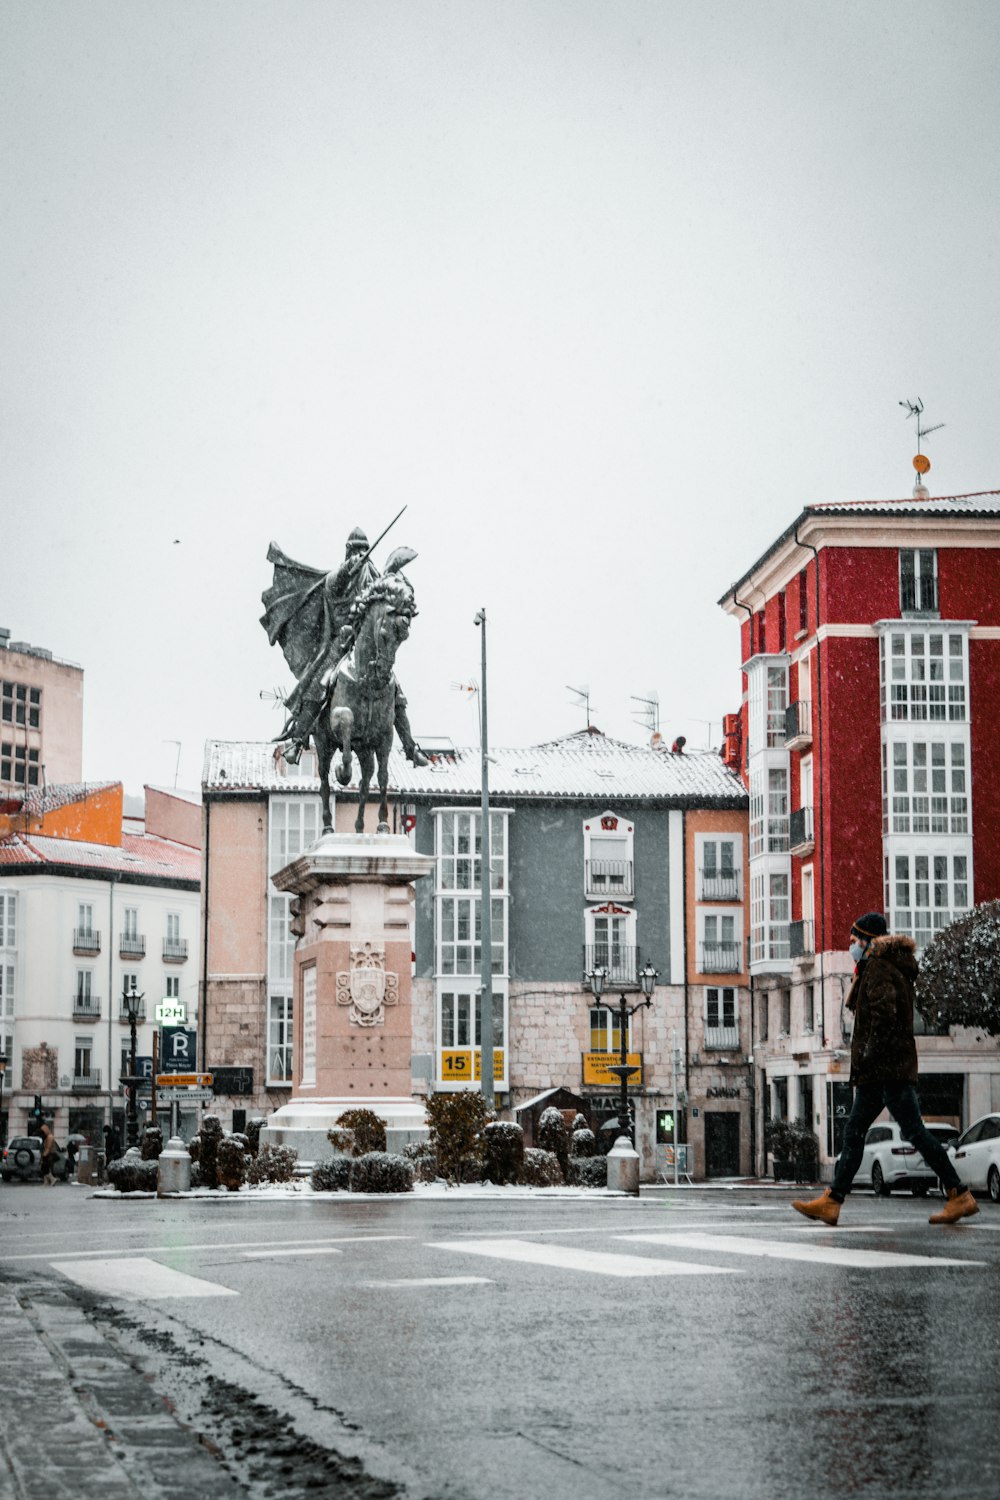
{"type": "Point", "coordinates": [402, 1282]}
{"type": "Point", "coordinates": [292, 1250]}
{"type": "Point", "coordinates": [137, 1279]}
{"type": "Point", "coordinates": [828, 1255]}
{"type": "Point", "coordinates": [570, 1258]}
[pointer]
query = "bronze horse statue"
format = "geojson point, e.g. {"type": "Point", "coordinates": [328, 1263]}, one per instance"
{"type": "Point", "coordinates": [360, 709]}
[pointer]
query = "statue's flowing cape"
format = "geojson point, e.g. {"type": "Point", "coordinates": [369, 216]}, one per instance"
{"type": "Point", "coordinates": [295, 614]}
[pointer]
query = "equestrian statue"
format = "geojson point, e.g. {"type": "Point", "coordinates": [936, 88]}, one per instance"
{"type": "Point", "coordinates": [339, 632]}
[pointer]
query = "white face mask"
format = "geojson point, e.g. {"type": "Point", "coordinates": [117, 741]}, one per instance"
{"type": "Point", "coordinates": [857, 951]}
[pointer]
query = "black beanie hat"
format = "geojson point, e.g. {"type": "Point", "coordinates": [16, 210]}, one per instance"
{"type": "Point", "coordinates": [871, 925]}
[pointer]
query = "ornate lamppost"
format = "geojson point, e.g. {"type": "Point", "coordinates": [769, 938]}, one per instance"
{"type": "Point", "coordinates": [132, 1001]}
{"type": "Point", "coordinates": [597, 978]}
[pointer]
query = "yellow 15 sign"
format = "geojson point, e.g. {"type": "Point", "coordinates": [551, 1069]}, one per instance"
{"type": "Point", "coordinates": [457, 1065]}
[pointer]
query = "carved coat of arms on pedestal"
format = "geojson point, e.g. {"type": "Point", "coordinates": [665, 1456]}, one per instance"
{"type": "Point", "coordinates": [367, 988]}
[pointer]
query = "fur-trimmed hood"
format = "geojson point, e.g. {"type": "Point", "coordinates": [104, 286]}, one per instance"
{"type": "Point", "coordinates": [897, 949]}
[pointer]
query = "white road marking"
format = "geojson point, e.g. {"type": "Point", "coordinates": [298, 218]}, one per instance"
{"type": "Point", "coordinates": [840, 1229]}
{"type": "Point", "coordinates": [568, 1258]}
{"type": "Point", "coordinates": [292, 1250]}
{"type": "Point", "coordinates": [828, 1255]}
{"type": "Point", "coordinates": [137, 1279]}
{"type": "Point", "coordinates": [405, 1281]}
{"type": "Point", "coordinates": [178, 1247]}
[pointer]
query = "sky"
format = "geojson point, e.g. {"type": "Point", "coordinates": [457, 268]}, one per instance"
{"type": "Point", "coordinates": [602, 293]}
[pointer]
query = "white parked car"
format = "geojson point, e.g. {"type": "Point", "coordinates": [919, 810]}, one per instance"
{"type": "Point", "coordinates": [890, 1162]}
{"type": "Point", "coordinates": [976, 1155]}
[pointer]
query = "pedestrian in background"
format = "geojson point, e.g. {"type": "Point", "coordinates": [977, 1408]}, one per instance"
{"type": "Point", "coordinates": [112, 1144]}
{"type": "Point", "coordinates": [884, 1070]}
{"type": "Point", "coordinates": [71, 1150]}
{"type": "Point", "coordinates": [49, 1153]}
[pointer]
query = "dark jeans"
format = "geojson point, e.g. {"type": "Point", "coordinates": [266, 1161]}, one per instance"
{"type": "Point", "coordinates": [900, 1099]}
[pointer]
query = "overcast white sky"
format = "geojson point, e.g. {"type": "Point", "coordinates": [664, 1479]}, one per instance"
{"type": "Point", "coordinates": [603, 292]}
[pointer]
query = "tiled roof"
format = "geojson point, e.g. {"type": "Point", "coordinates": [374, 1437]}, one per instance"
{"type": "Point", "coordinates": [38, 801]}
{"type": "Point", "coordinates": [982, 504]}
{"type": "Point", "coordinates": [139, 854]}
{"type": "Point", "coordinates": [586, 765]}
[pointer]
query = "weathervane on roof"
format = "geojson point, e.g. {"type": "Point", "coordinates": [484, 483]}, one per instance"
{"type": "Point", "coordinates": [921, 462]}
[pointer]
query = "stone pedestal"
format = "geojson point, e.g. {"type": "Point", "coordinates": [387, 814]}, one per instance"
{"type": "Point", "coordinates": [351, 1032]}
{"type": "Point", "coordinates": [623, 1166]}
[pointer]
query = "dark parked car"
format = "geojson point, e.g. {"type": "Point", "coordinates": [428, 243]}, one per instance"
{"type": "Point", "coordinates": [22, 1158]}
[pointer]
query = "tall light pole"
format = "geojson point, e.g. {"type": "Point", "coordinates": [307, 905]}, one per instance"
{"type": "Point", "coordinates": [485, 893]}
{"type": "Point", "coordinates": [647, 980]}
{"type": "Point", "coordinates": [133, 1006]}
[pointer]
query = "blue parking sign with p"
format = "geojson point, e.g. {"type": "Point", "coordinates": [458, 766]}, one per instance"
{"type": "Point", "coordinates": [178, 1049]}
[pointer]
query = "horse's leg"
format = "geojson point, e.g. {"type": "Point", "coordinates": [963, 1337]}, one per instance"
{"type": "Point", "coordinates": [324, 754]}
{"type": "Point", "coordinates": [342, 722]}
{"type": "Point", "coordinates": [383, 783]}
{"type": "Point", "coordinates": [366, 762]}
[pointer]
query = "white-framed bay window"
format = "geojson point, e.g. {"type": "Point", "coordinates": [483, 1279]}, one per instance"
{"type": "Point", "coordinates": [293, 826]}
{"type": "Point", "coordinates": [458, 934]}
{"type": "Point", "coordinates": [279, 1040]}
{"type": "Point", "coordinates": [923, 673]}
{"type": "Point", "coordinates": [926, 889]}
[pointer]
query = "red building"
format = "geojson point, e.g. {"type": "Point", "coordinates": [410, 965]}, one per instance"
{"type": "Point", "coordinates": [867, 736]}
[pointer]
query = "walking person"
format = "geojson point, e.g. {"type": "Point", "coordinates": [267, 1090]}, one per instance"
{"type": "Point", "coordinates": [49, 1154]}
{"type": "Point", "coordinates": [884, 1070]}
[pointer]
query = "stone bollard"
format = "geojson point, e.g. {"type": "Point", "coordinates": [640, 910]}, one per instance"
{"type": "Point", "coordinates": [173, 1173]}
{"type": "Point", "coordinates": [623, 1167]}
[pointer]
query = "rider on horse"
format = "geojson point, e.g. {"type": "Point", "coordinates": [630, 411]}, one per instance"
{"type": "Point", "coordinates": [311, 616]}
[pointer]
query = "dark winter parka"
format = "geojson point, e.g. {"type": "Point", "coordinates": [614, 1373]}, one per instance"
{"type": "Point", "coordinates": [881, 997]}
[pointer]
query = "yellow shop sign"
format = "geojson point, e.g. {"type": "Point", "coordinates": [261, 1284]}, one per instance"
{"type": "Point", "coordinates": [457, 1065]}
{"type": "Point", "coordinates": [596, 1065]}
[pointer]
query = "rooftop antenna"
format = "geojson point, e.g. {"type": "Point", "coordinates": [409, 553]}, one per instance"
{"type": "Point", "coordinates": [921, 462]}
{"type": "Point", "coordinates": [582, 696]}
{"type": "Point", "coordinates": [648, 712]}
{"type": "Point", "coordinates": [177, 763]}
{"type": "Point", "coordinates": [272, 695]}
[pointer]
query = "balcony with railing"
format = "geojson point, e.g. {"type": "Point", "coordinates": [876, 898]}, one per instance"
{"type": "Point", "coordinates": [88, 1082]}
{"type": "Point", "coordinates": [801, 837]}
{"type": "Point", "coordinates": [719, 885]}
{"type": "Point", "coordinates": [140, 1012]}
{"type": "Point", "coordinates": [86, 1007]}
{"type": "Point", "coordinates": [801, 939]}
{"type": "Point", "coordinates": [620, 963]}
{"type": "Point", "coordinates": [175, 950]}
{"type": "Point", "coordinates": [718, 958]}
{"type": "Point", "coordinates": [132, 945]}
{"type": "Point", "coordinates": [722, 1038]}
{"type": "Point", "coordinates": [608, 877]}
{"type": "Point", "coordinates": [86, 940]}
{"type": "Point", "coordinates": [798, 724]}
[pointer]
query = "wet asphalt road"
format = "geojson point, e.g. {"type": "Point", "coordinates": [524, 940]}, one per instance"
{"type": "Point", "coordinates": [457, 1349]}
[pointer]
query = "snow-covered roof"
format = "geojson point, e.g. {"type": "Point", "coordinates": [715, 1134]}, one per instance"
{"type": "Point", "coordinates": [587, 765]}
{"type": "Point", "coordinates": [38, 800]}
{"type": "Point", "coordinates": [139, 854]}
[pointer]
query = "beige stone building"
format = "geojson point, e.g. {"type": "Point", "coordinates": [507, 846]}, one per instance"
{"type": "Point", "coordinates": [41, 716]}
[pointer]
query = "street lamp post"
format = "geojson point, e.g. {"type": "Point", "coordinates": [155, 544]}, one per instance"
{"type": "Point", "coordinates": [132, 1002]}
{"type": "Point", "coordinates": [485, 895]}
{"type": "Point", "coordinates": [597, 978]}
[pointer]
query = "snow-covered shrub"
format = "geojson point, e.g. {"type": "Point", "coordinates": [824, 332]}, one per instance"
{"type": "Point", "coordinates": [503, 1151]}
{"type": "Point", "coordinates": [582, 1142]}
{"type": "Point", "coordinates": [959, 980]}
{"type": "Point", "coordinates": [195, 1175]}
{"type": "Point", "coordinates": [552, 1136]}
{"type": "Point", "coordinates": [132, 1175]}
{"type": "Point", "coordinates": [368, 1129]}
{"type": "Point", "coordinates": [272, 1164]}
{"type": "Point", "coordinates": [579, 1123]}
{"type": "Point", "coordinates": [540, 1168]}
{"type": "Point", "coordinates": [423, 1159]}
{"type": "Point", "coordinates": [211, 1138]}
{"type": "Point", "coordinates": [381, 1172]}
{"type": "Point", "coordinates": [254, 1128]}
{"type": "Point", "coordinates": [152, 1142]}
{"type": "Point", "coordinates": [456, 1125]}
{"type": "Point", "coordinates": [588, 1171]}
{"type": "Point", "coordinates": [194, 1149]}
{"type": "Point", "coordinates": [231, 1163]}
{"type": "Point", "coordinates": [332, 1175]}
{"type": "Point", "coordinates": [343, 1141]}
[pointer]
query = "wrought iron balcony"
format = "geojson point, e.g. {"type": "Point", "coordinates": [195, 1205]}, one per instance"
{"type": "Point", "coordinates": [89, 1082]}
{"type": "Point", "coordinates": [608, 877]}
{"type": "Point", "coordinates": [801, 838]}
{"type": "Point", "coordinates": [801, 939]}
{"type": "Point", "coordinates": [620, 963]}
{"type": "Point", "coordinates": [798, 724]}
{"type": "Point", "coordinates": [722, 1038]}
{"type": "Point", "coordinates": [86, 1007]}
{"type": "Point", "coordinates": [140, 1012]}
{"type": "Point", "coordinates": [175, 950]}
{"type": "Point", "coordinates": [131, 945]}
{"type": "Point", "coordinates": [719, 885]}
{"type": "Point", "coordinates": [86, 940]}
{"type": "Point", "coordinates": [718, 958]}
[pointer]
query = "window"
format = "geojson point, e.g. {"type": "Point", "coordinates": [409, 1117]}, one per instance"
{"type": "Point", "coordinates": [918, 592]}
{"type": "Point", "coordinates": [294, 827]}
{"type": "Point", "coordinates": [924, 787]}
{"type": "Point", "coordinates": [84, 988]}
{"type": "Point", "coordinates": [608, 843]}
{"type": "Point", "coordinates": [786, 1012]}
{"type": "Point", "coordinates": [720, 869]}
{"type": "Point", "coordinates": [927, 891]}
{"type": "Point", "coordinates": [611, 943]}
{"type": "Point", "coordinates": [459, 848]}
{"type": "Point", "coordinates": [7, 997]}
{"type": "Point", "coordinates": [173, 927]}
{"type": "Point", "coordinates": [173, 987]}
{"type": "Point", "coordinates": [130, 922]}
{"type": "Point", "coordinates": [806, 1099]}
{"type": "Point", "coordinates": [780, 1099]}
{"type": "Point", "coordinates": [777, 702]}
{"type": "Point", "coordinates": [763, 1015]}
{"type": "Point", "coordinates": [720, 953]}
{"type": "Point", "coordinates": [19, 764]}
{"type": "Point", "coordinates": [130, 982]}
{"type": "Point", "coordinates": [721, 1028]}
{"type": "Point", "coordinates": [606, 1031]}
{"type": "Point", "coordinates": [808, 1008]}
{"type": "Point", "coordinates": [778, 915]}
{"type": "Point", "coordinates": [279, 1039]}
{"type": "Point", "coordinates": [804, 600]}
{"type": "Point", "coordinates": [8, 919]}
{"type": "Point", "coordinates": [923, 676]}
{"type": "Point", "coordinates": [782, 621]}
{"type": "Point", "coordinates": [768, 811]}
{"type": "Point", "coordinates": [460, 935]}
{"type": "Point", "coordinates": [83, 1058]}
{"type": "Point", "coordinates": [21, 705]}
{"type": "Point", "coordinates": [85, 918]}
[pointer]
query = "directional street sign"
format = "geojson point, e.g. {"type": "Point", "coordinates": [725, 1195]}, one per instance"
{"type": "Point", "coordinates": [183, 1096]}
{"type": "Point", "coordinates": [183, 1080]}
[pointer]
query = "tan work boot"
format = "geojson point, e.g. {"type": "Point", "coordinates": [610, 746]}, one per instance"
{"type": "Point", "coordinates": [824, 1208]}
{"type": "Point", "coordinates": [960, 1205]}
